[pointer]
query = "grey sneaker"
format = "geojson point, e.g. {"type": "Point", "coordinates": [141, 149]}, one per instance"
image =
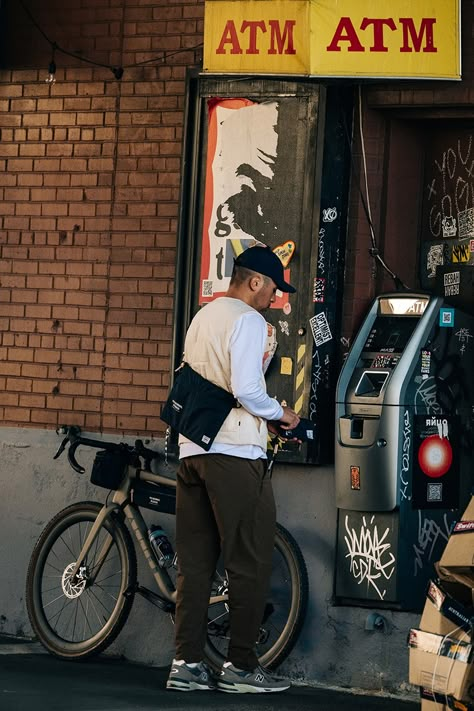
{"type": "Point", "coordinates": [239, 681]}
{"type": "Point", "coordinates": [184, 677]}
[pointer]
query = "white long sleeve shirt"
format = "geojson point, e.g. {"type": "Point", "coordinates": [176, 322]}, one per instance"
{"type": "Point", "coordinates": [247, 346]}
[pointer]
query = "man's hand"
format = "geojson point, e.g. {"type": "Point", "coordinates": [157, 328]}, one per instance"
{"type": "Point", "coordinates": [290, 419]}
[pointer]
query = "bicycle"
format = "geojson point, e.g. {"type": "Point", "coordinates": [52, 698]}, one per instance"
{"type": "Point", "coordinates": [82, 575]}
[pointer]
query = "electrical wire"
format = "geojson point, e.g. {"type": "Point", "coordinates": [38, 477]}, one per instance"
{"type": "Point", "coordinates": [374, 251]}
{"type": "Point", "coordinates": [116, 70]}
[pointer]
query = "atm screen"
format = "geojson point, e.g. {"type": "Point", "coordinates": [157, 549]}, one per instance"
{"type": "Point", "coordinates": [390, 334]}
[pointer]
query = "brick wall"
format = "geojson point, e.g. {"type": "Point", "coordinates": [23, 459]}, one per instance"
{"type": "Point", "coordinates": [89, 188]}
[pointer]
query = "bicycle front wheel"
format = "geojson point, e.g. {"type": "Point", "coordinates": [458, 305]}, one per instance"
{"type": "Point", "coordinates": [285, 610]}
{"type": "Point", "coordinates": [78, 617]}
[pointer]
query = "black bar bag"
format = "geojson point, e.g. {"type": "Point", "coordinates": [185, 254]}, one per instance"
{"type": "Point", "coordinates": [196, 408]}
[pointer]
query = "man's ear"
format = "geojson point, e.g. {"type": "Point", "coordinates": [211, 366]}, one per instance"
{"type": "Point", "coordinates": [256, 282]}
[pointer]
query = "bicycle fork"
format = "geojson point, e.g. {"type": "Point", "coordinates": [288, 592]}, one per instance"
{"type": "Point", "coordinates": [77, 572]}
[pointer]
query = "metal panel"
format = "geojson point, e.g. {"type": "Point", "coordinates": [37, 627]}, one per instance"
{"type": "Point", "coordinates": [280, 203]}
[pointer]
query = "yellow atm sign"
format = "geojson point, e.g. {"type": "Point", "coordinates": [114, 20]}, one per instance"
{"type": "Point", "coordinates": [343, 38]}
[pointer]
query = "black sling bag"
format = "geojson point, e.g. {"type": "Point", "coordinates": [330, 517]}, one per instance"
{"type": "Point", "coordinates": [196, 408]}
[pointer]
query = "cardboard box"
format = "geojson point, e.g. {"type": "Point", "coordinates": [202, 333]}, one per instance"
{"type": "Point", "coordinates": [448, 610]}
{"type": "Point", "coordinates": [439, 702]}
{"type": "Point", "coordinates": [442, 664]}
{"type": "Point", "coordinates": [427, 705]}
{"type": "Point", "coordinates": [463, 576]}
{"type": "Point", "coordinates": [459, 550]}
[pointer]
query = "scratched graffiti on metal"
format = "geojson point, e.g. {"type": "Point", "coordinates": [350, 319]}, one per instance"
{"type": "Point", "coordinates": [315, 381]}
{"type": "Point", "coordinates": [426, 397]}
{"type": "Point", "coordinates": [405, 468]}
{"type": "Point", "coordinates": [321, 253]}
{"type": "Point", "coordinates": [429, 533]}
{"type": "Point", "coordinates": [371, 560]}
{"type": "Point", "coordinates": [463, 335]}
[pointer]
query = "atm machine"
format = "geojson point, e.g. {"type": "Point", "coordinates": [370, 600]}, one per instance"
{"type": "Point", "coordinates": [403, 447]}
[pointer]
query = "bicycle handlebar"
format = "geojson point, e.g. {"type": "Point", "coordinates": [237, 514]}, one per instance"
{"type": "Point", "coordinates": [74, 439]}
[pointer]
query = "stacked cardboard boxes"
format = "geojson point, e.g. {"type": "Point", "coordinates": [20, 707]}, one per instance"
{"type": "Point", "coordinates": [442, 648]}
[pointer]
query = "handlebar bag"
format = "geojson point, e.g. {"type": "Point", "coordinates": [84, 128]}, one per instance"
{"type": "Point", "coordinates": [109, 468]}
{"type": "Point", "coordinates": [196, 408]}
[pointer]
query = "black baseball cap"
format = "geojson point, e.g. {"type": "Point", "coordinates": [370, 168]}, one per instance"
{"type": "Point", "coordinates": [266, 262]}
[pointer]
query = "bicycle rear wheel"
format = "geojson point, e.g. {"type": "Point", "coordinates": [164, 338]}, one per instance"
{"type": "Point", "coordinates": [285, 611]}
{"type": "Point", "coordinates": [77, 618]}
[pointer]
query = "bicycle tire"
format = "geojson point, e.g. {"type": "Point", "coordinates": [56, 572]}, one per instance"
{"type": "Point", "coordinates": [56, 604]}
{"type": "Point", "coordinates": [288, 598]}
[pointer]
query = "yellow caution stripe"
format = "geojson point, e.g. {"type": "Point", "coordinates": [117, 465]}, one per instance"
{"type": "Point", "coordinates": [299, 378]}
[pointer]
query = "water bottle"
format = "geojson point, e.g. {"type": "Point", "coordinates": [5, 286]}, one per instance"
{"type": "Point", "coordinates": [161, 546]}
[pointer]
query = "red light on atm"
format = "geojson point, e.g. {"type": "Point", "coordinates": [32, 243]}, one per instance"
{"type": "Point", "coordinates": [355, 478]}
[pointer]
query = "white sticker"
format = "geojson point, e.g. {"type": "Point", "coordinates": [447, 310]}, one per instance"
{"type": "Point", "coordinates": [320, 329]}
{"type": "Point", "coordinates": [449, 226]}
{"type": "Point", "coordinates": [434, 258]}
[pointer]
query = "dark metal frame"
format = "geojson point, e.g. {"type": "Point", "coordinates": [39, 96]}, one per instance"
{"type": "Point", "coordinates": [320, 179]}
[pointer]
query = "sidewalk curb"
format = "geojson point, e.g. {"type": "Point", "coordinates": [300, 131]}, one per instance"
{"type": "Point", "coordinates": [9, 644]}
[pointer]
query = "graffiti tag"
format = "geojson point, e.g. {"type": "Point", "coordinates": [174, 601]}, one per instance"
{"type": "Point", "coordinates": [429, 533]}
{"type": "Point", "coordinates": [369, 552]}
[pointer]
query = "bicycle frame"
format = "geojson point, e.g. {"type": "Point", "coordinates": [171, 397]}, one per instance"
{"type": "Point", "coordinates": [121, 503]}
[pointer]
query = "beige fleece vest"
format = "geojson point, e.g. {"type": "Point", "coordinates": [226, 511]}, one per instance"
{"type": "Point", "coordinates": [206, 349]}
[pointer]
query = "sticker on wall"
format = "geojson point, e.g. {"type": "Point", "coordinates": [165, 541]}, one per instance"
{"type": "Point", "coordinates": [460, 253]}
{"type": "Point", "coordinates": [320, 329]}
{"type": "Point", "coordinates": [435, 461]}
{"type": "Point", "coordinates": [449, 227]}
{"type": "Point", "coordinates": [207, 288]}
{"type": "Point", "coordinates": [329, 214]}
{"type": "Point", "coordinates": [451, 281]}
{"type": "Point", "coordinates": [434, 258]}
{"type": "Point", "coordinates": [319, 287]}
{"type": "Point", "coordinates": [286, 366]}
{"type": "Point", "coordinates": [270, 347]}
{"type": "Point", "coordinates": [425, 364]}
{"type": "Point", "coordinates": [287, 308]}
{"type": "Point", "coordinates": [466, 223]}
{"type": "Point", "coordinates": [446, 317]}
{"type": "Point", "coordinates": [284, 327]}
{"type": "Point", "coordinates": [285, 252]}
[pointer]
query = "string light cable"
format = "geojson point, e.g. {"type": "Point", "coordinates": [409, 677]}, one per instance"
{"type": "Point", "coordinates": [374, 251]}
{"type": "Point", "coordinates": [117, 71]}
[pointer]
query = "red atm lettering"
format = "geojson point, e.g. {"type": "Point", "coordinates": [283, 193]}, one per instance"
{"type": "Point", "coordinates": [412, 39]}
{"type": "Point", "coordinates": [426, 29]}
{"type": "Point", "coordinates": [281, 38]}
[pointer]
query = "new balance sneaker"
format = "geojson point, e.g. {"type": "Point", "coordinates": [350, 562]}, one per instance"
{"type": "Point", "coordinates": [190, 677]}
{"type": "Point", "coordinates": [239, 681]}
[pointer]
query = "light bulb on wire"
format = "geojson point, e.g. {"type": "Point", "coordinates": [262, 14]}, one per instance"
{"type": "Point", "coordinates": [51, 78]}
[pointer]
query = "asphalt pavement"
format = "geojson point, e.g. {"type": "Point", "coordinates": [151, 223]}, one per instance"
{"type": "Point", "coordinates": [33, 680]}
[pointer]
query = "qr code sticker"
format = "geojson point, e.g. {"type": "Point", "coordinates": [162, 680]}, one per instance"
{"type": "Point", "coordinates": [435, 492]}
{"type": "Point", "coordinates": [207, 289]}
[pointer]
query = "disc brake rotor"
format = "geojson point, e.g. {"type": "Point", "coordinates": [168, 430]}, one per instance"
{"type": "Point", "coordinates": [74, 586]}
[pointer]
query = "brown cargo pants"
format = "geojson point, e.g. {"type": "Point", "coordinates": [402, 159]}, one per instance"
{"type": "Point", "coordinates": [224, 504]}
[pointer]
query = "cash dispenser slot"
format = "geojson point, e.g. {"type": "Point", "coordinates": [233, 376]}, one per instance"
{"type": "Point", "coordinates": [358, 431]}
{"type": "Point", "coordinates": [371, 383]}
